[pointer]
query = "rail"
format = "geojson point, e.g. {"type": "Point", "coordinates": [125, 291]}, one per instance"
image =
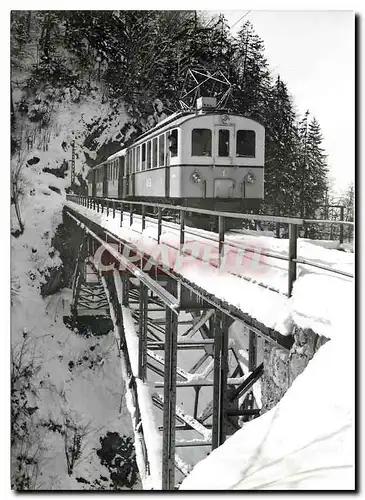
{"type": "Point", "coordinates": [110, 204]}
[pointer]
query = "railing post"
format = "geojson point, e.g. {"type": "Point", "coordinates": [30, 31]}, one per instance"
{"type": "Point", "coordinates": [113, 209]}
{"type": "Point", "coordinates": [125, 289]}
{"type": "Point", "coordinates": [93, 203]}
{"type": "Point", "coordinates": [102, 206]}
{"type": "Point", "coordinates": [292, 271]}
{"type": "Point", "coordinates": [121, 214]}
{"type": "Point", "coordinates": [130, 214]}
{"type": "Point", "coordinates": [342, 214]}
{"type": "Point", "coordinates": [159, 224]}
{"type": "Point", "coordinates": [97, 206]}
{"type": "Point", "coordinates": [252, 351]}
{"type": "Point", "coordinates": [221, 224]}
{"type": "Point", "coordinates": [182, 229]}
{"type": "Point", "coordinates": [143, 217]}
{"type": "Point", "coordinates": [142, 331]}
{"type": "Point", "coordinates": [107, 208]}
{"type": "Point", "coordinates": [219, 378]}
{"type": "Point", "coordinates": [169, 407]}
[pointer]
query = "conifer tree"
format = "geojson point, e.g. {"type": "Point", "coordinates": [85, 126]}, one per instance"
{"type": "Point", "coordinates": [281, 150]}
{"type": "Point", "coordinates": [313, 167]}
{"type": "Point", "coordinates": [252, 73]}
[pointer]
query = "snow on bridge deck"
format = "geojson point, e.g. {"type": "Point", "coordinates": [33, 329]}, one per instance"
{"type": "Point", "coordinates": [247, 280]}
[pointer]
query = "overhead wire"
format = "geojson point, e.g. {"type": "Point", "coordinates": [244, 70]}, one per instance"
{"type": "Point", "coordinates": [240, 19]}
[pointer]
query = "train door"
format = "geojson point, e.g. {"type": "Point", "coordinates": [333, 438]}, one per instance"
{"type": "Point", "coordinates": [105, 180]}
{"type": "Point", "coordinates": [93, 180]}
{"type": "Point", "coordinates": [126, 170]}
{"type": "Point", "coordinates": [120, 177]}
{"type": "Point", "coordinates": [132, 172]}
{"type": "Point", "coordinates": [223, 156]}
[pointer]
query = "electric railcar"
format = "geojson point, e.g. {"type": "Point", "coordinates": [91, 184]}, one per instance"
{"type": "Point", "coordinates": [209, 159]}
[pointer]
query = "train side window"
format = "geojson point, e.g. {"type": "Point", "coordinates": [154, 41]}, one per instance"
{"type": "Point", "coordinates": [173, 138]}
{"type": "Point", "coordinates": [149, 151]}
{"type": "Point", "coordinates": [138, 159]}
{"type": "Point", "coordinates": [201, 141]}
{"type": "Point", "coordinates": [223, 142]}
{"type": "Point", "coordinates": [246, 143]}
{"type": "Point", "coordinates": [144, 156]}
{"type": "Point", "coordinates": [154, 157]}
{"type": "Point", "coordinates": [161, 147]}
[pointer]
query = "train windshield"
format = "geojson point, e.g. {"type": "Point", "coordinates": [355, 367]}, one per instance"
{"type": "Point", "coordinates": [246, 143]}
{"type": "Point", "coordinates": [173, 142]}
{"type": "Point", "coordinates": [201, 142]}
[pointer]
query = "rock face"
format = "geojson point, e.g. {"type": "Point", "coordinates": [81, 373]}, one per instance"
{"type": "Point", "coordinates": [67, 243]}
{"type": "Point", "coordinates": [54, 281]}
{"type": "Point", "coordinates": [283, 367]}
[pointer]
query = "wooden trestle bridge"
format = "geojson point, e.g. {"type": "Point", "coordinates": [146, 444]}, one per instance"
{"type": "Point", "coordinates": [157, 316]}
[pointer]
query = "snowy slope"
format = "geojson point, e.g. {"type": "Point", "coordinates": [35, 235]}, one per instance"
{"type": "Point", "coordinates": [305, 442]}
{"type": "Point", "coordinates": [75, 381]}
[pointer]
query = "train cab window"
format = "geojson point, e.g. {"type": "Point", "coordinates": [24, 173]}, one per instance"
{"type": "Point", "coordinates": [246, 143]}
{"type": "Point", "coordinates": [223, 142]}
{"type": "Point", "coordinates": [154, 153]}
{"type": "Point", "coordinates": [173, 138]}
{"type": "Point", "coordinates": [201, 142]}
{"type": "Point", "coordinates": [149, 151]}
{"type": "Point", "coordinates": [144, 156]}
{"type": "Point", "coordinates": [134, 160]}
{"type": "Point", "coordinates": [161, 149]}
{"type": "Point", "coordinates": [138, 159]}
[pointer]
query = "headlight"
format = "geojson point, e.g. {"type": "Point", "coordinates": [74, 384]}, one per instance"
{"type": "Point", "coordinates": [249, 178]}
{"type": "Point", "coordinates": [196, 177]}
{"type": "Point", "coordinates": [224, 118]}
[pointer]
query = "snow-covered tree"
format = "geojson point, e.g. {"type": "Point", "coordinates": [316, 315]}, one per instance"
{"type": "Point", "coordinates": [281, 152]}
{"type": "Point", "coordinates": [312, 167]}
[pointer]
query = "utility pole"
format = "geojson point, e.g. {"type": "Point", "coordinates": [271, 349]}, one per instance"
{"type": "Point", "coordinates": [73, 163]}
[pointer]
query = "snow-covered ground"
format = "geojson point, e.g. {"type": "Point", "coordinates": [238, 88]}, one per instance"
{"type": "Point", "coordinates": [305, 442]}
{"type": "Point", "coordinates": [317, 294]}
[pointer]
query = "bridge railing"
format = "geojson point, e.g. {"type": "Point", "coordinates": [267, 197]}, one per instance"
{"type": "Point", "coordinates": [293, 223]}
